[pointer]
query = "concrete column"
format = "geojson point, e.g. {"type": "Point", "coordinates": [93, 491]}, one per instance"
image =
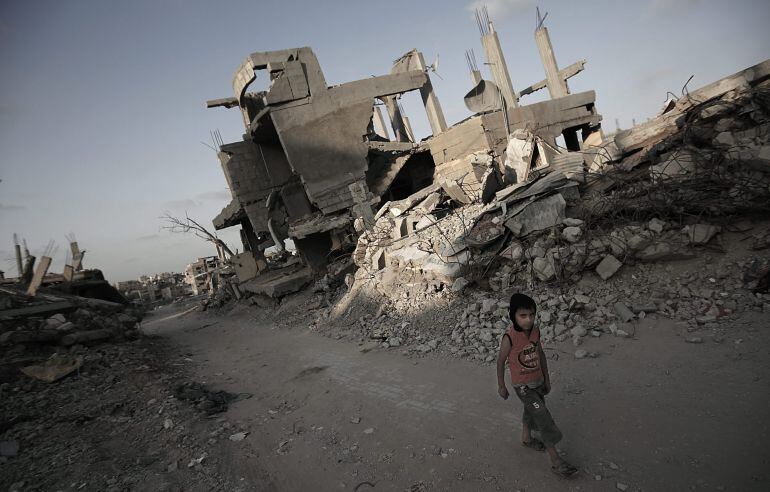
{"type": "Point", "coordinates": [361, 198]}
{"type": "Point", "coordinates": [396, 119]}
{"type": "Point", "coordinates": [379, 123]}
{"type": "Point", "coordinates": [77, 256]}
{"type": "Point", "coordinates": [498, 67]}
{"type": "Point", "coordinates": [408, 128]}
{"type": "Point", "coordinates": [430, 101]}
{"type": "Point", "coordinates": [19, 266]}
{"type": "Point", "coordinates": [37, 278]}
{"type": "Point", "coordinates": [557, 86]}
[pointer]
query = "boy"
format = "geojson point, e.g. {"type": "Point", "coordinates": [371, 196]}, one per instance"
{"type": "Point", "coordinates": [520, 346]}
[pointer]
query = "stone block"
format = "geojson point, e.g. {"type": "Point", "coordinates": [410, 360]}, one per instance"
{"type": "Point", "coordinates": [608, 267]}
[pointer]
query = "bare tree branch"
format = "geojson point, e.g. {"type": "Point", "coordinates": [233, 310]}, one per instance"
{"type": "Point", "coordinates": [189, 225]}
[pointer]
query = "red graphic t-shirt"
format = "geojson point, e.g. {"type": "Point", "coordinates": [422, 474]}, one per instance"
{"type": "Point", "coordinates": [524, 357]}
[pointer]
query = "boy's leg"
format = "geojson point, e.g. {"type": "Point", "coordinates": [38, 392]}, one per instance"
{"type": "Point", "coordinates": [535, 409]}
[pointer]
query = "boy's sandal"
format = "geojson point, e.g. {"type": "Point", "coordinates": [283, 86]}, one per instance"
{"type": "Point", "coordinates": [535, 444]}
{"type": "Point", "coordinates": [564, 469]}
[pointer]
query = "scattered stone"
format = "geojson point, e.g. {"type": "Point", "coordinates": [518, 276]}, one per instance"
{"type": "Point", "coordinates": [579, 331]}
{"type": "Point", "coordinates": [239, 436]}
{"type": "Point", "coordinates": [621, 486]}
{"type": "Point", "coordinates": [459, 284]}
{"type": "Point", "coordinates": [581, 299]}
{"type": "Point", "coordinates": [694, 340]}
{"type": "Point", "coordinates": [168, 423]}
{"type": "Point", "coordinates": [488, 305]}
{"type": "Point", "coordinates": [656, 225]}
{"type": "Point", "coordinates": [369, 430]}
{"type": "Point", "coordinates": [355, 419]}
{"type": "Point", "coordinates": [394, 341]}
{"type": "Point", "coordinates": [544, 268]}
{"type": "Point", "coordinates": [572, 234]}
{"type": "Point", "coordinates": [197, 461]}
{"type": "Point", "coordinates": [608, 267]}
{"type": "Point", "coordinates": [701, 233]}
{"type": "Point", "coordinates": [570, 222]}
{"type": "Point", "coordinates": [581, 353]}
{"type": "Point", "coordinates": [623, 313]}
{"type": "Point", "coordinates": [55, 320]}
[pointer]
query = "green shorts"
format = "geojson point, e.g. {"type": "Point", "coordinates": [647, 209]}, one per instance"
{"type": "Point", "coordinates": [536, 415]}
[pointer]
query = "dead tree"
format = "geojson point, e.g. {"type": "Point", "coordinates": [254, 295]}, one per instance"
{"type": "Point", "coordinates": [189, 225]}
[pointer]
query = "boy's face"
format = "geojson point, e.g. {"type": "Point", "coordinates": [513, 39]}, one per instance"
{"type": "Point", "coordinates": [525, 318]}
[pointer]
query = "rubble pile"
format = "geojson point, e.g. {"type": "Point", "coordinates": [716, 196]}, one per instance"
{"type": "Point", "coordinates": [59, 322]}
{"type": "Point", "coordinates": [703, 299]}
{"type": "Point", "coordinates": [591, 241]}
{"type": "Point", "coordinates": [663, 198]}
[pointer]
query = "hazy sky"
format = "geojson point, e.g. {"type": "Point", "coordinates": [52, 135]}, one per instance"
{"type": "Point", "coordinates": [102, 103]}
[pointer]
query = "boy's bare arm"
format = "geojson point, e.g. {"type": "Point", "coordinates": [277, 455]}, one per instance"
{"type": "Point", "coordinates": [505, 348]}
{"type": "Point", "coordinates": [544, 366]}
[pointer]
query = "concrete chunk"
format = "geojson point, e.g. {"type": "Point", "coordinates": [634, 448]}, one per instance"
{"type": "Point", "coordinates": [701, 233]}
{"type": "Point", "coordinates": [539, 215]}
{"type": "Point", "coordinates": [544, 268]}
{"type": "Point", "coordinates": [608, 267]}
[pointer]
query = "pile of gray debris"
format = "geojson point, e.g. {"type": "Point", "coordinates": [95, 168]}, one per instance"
{"type": "Point", "coordinates": [659, 191]}
{"type": "Point", "coordinates": [51, 330]}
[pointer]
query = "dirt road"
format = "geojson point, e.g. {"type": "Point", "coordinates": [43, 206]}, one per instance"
{"type": "Point", "coordinates": [650, 413]}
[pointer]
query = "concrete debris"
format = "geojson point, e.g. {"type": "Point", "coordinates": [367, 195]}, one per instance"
{"type": "Point", "coordinates": [518, 156]}
{"type": "Point", "coordinates": [623, 313]}
{"type": "Point", "coordinates": [238, 436]}
{"type": "Point", "coordinates": [608, 267]}
{"type": "Point", "coordinates": [55, 368]}
{"type": "Point", "coordinates": [572, 234]}
{"type": "Point", "coordinates": [537, 216]}
{"type": "Point", "coordinates": [701, 233]}
{"type": "Point", "coordinates": [544, 268]}
{"type": "Point", "coordinates": [459, 284]}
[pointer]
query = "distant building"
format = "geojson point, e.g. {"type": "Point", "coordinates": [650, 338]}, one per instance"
{"type": "Point", "coordinates": [199, 276]}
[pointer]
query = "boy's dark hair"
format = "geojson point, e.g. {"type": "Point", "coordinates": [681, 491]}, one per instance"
{"type": "Point", "coordinates": [518, 301]}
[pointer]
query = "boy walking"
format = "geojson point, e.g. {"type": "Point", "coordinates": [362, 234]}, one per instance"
{"type": "Point", "coordinates": [520, 346]}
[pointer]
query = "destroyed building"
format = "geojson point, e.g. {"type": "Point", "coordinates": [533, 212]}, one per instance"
{"type": "Point", "coordinates": [315, 164]}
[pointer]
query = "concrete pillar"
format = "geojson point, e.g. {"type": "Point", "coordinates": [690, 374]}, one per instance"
{"type": "Point", "coordinates": [19, 266]}
{"type": "Point", "coordinates": [557, 86]}
{"type": "Point", "coordinates": [362, 199]}
{"type": "Point", "coordinates": [476, 76]}
{"type": "Point", "coordinates": [396, 119]}
{"type": "Point", "coordinates": [379, 123]}
{"type": "Point", "coordinates": [37, 278]}
{"type": "Point", "coordinates": [498, 67]}
{"type": "Point", "coordinates": [77, 256]}
{"type": "Point", "coordinates": [408, 127]}
{"type": "Point", "coordinates": [430, 101]}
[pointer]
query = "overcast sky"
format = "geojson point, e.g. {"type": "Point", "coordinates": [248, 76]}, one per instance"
{"type": "Point", "coordinates": [102, 103]}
